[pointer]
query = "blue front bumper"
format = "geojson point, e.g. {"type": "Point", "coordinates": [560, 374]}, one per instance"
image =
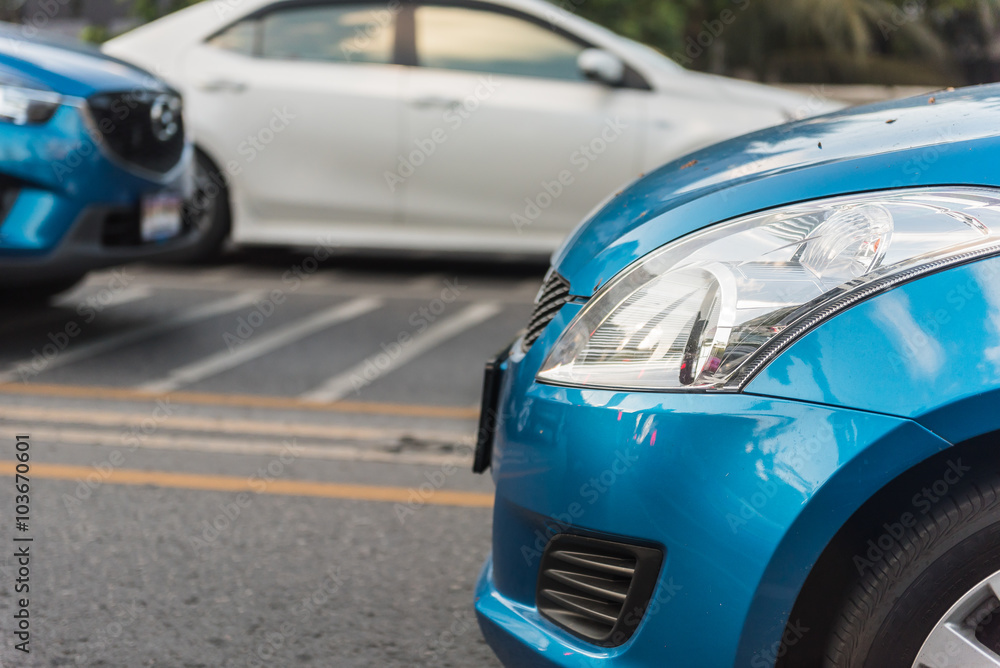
{"type": "Point", "coordinates": [61, 189]}
{"type": "Point", "coordinates": [742, 493]}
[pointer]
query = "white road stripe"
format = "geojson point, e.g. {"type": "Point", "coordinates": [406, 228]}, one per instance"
{"type": "Point", "coordinates": [72, 300]}
{"type": "Point", "coordinates": [226, 427]}
{"type": "Point", "coordinates": [224, 360]}
{"type": "Point", "coordinates": [130, 294]}
{"type": "Point", "coordinates": [236, 446]}
{"type": "Point", "coordinates": [119, 340]}
{"type": "Point", "coordinates": [343, 384]}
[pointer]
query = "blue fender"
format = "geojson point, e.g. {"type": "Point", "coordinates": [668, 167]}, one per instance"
{"type": "Point", "coordinates": [928, 351]}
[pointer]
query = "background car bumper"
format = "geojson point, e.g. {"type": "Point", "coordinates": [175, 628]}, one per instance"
{"type": "Point", "coordinates": [68, 206]}
{"type": "Point", "coordinates": [741, 492]}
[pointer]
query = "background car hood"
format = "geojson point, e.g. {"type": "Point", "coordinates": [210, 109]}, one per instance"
{"type": "Point", "coordinates": [927, 140]}
{"type": "Point", "coordinates": [68, 67]}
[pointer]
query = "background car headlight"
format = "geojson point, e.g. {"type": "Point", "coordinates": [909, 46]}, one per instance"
{"type": "Point", "coordinates": [23, 102]}
{"type": "Point", "coordinates": [707, 311]}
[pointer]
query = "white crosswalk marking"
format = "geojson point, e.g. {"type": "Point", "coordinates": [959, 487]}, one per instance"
{"type": "Point", "coordinates": [347, 382]}
{"type": "Point", "coordinates": [262, 344]}
{"type": "Point", "coordinates": [30, 367]}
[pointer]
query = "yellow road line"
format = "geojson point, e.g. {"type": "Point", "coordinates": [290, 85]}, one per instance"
{"type": "Point", "coordinates": [239, 401]}
{"type": "Point", "coordinates": [214, 483]}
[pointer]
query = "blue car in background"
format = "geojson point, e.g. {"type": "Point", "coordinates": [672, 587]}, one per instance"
{"type": "Point", "coordinates": [754, 419]}
{"type": "Point", "coordinates": [95, 166]}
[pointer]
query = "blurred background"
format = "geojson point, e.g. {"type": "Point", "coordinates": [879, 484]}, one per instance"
{"type": "Point", "coordinates": [883, 42]}
{"type": "Point", "coordinates": [328, 358]}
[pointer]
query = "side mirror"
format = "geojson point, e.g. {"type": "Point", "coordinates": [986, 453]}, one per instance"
{"type": "Point", "coordinates": [602, 66]}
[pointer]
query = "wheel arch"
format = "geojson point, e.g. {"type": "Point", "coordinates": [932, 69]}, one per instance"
{"type": "Point", "coordinates": [857, 543]}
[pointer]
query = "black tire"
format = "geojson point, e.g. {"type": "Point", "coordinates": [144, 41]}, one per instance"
{"type": "Point", "coordinates": [37, 293]}
{"type": "Point", "coordinates": [208, 212]}
{"type": "Point", "coordinates": [893, 607]}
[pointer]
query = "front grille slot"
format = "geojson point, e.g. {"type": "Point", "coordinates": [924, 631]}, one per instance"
{"type": "Point", "coordinates": [596, 589]}
{"type": "Point", "coordinates": [552, 297]}
{"type": "Point", "coordinates": [143, 128]}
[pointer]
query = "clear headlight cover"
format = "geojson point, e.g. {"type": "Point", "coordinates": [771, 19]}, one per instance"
{"type": "Point", "coordinates": [22, 103]}
{"type": "Point", "coordinates": [706, 312]}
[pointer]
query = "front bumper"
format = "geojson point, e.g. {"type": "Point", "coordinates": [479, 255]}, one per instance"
{"type": "Point", "coordinates": [741, 492]}
{"type": "Point", "coordinates": [66, 202]}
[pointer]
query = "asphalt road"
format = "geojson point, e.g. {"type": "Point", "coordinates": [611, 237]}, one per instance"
{"type": "Point", "coordinates": [260, 463]}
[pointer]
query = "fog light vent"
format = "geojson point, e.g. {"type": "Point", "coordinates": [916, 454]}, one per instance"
{"type": "Point", "coordinates": [596, 589]}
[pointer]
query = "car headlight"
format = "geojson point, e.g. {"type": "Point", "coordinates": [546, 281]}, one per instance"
{"type": "Point", "coordinates": [708, 311]}
{"type": "Point", "coordinates": [22, 102]}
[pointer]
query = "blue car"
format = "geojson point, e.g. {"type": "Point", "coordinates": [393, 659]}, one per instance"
{"type": "Point", "coordinates": [95, 166]}
{"type": "Point", "coordinates": [754, 419]}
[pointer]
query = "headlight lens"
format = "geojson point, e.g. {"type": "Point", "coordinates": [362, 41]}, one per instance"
{"type": "Point", "coordinates": [22, 103]}
{"type": "Point", "coordinates": [706, 312]}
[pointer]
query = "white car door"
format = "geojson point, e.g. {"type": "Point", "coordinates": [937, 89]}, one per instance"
{"type": "Point", "coordinates": [300, 105]}
{"type": "Point", "coordinates": [506, 138]}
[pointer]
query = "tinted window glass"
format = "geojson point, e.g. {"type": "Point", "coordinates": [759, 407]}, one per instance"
{"type": "Point", "coordinates": [457, 38]}
{"type": "Point", "coordinates": [240, 38]}
{"type": "Point", "coordinates": [340, 33]}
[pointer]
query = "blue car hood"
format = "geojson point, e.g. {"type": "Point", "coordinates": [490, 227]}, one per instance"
{"type": "Point", "coordinates": [67, 67]}
{"type": "Point", "coordinates": [947, 138]}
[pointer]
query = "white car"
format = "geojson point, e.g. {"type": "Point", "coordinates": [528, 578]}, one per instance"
{"type": "Point", "coordinates": [454, 125]}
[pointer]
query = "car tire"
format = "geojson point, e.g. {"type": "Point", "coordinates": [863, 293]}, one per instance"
{"type": "Point", "coordinates": [914, 576]}
{"type": "Point", "coordinates": [208, 213]}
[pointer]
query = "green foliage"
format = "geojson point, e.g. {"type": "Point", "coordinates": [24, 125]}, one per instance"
{"type": "Point", "coordinates": [150, 10]}
{"type": "Point", "coordinates": [95, 34]}
{"type": "Point", "coordinates": [843, 41]}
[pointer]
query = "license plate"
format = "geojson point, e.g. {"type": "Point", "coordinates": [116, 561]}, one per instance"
{"type": "Point", "coordinates": [489, 413]}
{"type": "Point", "coordinates": [161, 217]}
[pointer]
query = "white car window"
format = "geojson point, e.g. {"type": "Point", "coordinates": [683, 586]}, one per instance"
{"type": "Point", "coordinates": [240, 38]}
{"type": "Point", "coordinates": [459, 38]}
{"type": "Point", "coordinates": [359, 33]}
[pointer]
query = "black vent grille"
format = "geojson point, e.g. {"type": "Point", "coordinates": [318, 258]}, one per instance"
{"type": "Point", "coordinates": [596, 589]}
{"type": "Point", "coordinates": [552, 297]}
{"type": "Point", "coordinates": [143, 128]}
